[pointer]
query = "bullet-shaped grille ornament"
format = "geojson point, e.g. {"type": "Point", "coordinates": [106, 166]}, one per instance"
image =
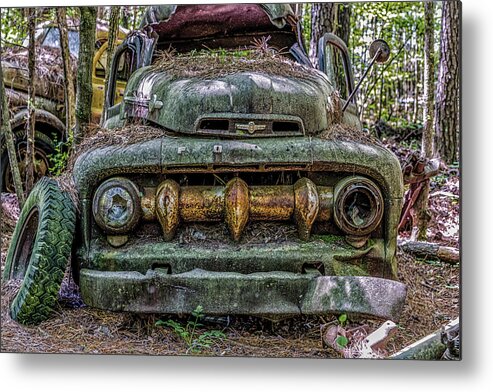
{"type": "Point", "coordinates": [236, 206]}
{"type": "Point", "coordinates": [167, 202]}
{"type": "Point", "coordinates": [306, 206]}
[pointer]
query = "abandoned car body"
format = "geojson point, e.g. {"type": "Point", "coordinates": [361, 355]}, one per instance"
{"type": "Point", "coordinates": [50, 112]}
{"type": "Point", "coordinates": [173, 222]}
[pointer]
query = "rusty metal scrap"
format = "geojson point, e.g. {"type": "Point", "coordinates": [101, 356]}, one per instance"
{"type": "Point", "coordinates": [418, 169]}
{"type": "Point", "coordinates": [416, 172]}
{"type": "Point", "coordinates": [236, 204]}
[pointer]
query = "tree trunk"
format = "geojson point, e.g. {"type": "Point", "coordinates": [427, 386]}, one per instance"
{"type": "Point", "coordinates": [100, 12]}
{"type": "Point", "coordinates": [447, 121]}
{"type": "Point", "coordinates": [84, 71]}
{"type": "Point", "coordinates": [112, 39]}
{"type": "Point", "coordinates": [343, 29]}
{"type": "Point", "coordinates": [67, 71]}
{"type": "Point", "coordinates": [421, 214]}
{"type": "Point", "coordinates": [324, 16]}
{"type": "Point", "coordinates": [31, 120]}
{"type": "Point", "coordinates": [6, 132]}
{"type": "Point", "coordinates": [126, 17]}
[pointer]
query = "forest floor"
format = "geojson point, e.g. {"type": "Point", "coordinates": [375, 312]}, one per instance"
{"type": "Point", "coordinates": [432, 301]}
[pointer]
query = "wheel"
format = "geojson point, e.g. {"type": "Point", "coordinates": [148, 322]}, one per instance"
{"type": "Point", "coordinates": [40, 251]}
{"type": "Point", "coordinates": [43, 147]}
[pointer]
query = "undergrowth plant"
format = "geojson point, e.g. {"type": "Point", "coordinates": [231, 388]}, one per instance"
{"type": "Point", "coordinates": [59, 159]}
{"type": "Point", "coordinates": [341, 340]}
{"type": "Point", "coordinates": [195, 341]}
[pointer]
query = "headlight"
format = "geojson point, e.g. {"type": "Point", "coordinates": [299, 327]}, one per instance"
{"type": "Point", "coordinates": [116, 206]}
{"type": "Point", "coordinates": [358, 206]}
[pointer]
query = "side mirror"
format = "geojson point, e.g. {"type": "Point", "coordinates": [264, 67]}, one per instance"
{"type": "Point", "coordinates": [380, 51]}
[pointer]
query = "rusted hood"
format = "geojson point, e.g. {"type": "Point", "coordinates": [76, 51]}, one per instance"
{"type": "Point", "coordinates": [160, 16]}
{"type": "Point", "coordinates": [180, 104]}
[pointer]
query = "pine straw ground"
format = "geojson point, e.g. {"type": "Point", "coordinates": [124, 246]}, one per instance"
{"type": "Point", "coordinates": [433, 300]}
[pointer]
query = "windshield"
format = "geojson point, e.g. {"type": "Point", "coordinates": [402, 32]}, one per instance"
{"type": "Point", "coordinates": [52, 39]}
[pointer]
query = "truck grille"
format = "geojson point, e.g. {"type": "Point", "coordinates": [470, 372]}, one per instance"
{"type": "Point", "coordinates": [237, 204]}
{"type": "Point", "coordinates": [251, 127]}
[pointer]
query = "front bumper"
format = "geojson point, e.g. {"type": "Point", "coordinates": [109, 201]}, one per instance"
{"type": "Point", "coordinates": [265, 294]}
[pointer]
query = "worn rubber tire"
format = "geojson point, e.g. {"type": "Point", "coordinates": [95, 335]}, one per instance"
{"type": "Point", "coordinates": [41, 141]}
{"type": "Point", "coordinates": [40, 251]}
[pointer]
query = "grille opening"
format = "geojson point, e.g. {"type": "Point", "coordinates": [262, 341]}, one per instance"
{"type": "Point", "coordinates": [285, 126]}
{"type": "Point", "coordinates": [214, 125]}
{"type": "Point", "coordinates": [162, 266]}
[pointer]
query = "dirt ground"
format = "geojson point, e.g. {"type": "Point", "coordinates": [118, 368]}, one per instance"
{"type": "Point", "coordinates": [432, 301]}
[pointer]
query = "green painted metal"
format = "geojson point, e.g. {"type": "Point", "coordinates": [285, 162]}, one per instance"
{"type": "Point", "coordinates": [159, 156]}
{"type": "Point", "coordinates": [183, 102]}
{"type": "Point", "coordinates": [267, 294]}
{"type": "Point", "coordinates": [332, 252]}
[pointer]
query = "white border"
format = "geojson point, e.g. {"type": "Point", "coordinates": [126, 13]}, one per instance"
{"type": "Point", "coordinates": [131, 373]}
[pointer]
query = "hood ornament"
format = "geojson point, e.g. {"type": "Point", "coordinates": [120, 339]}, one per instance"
{"type": "Point", "coordinates": [251, 127]}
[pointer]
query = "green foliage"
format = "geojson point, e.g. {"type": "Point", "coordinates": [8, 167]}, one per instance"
{"type": "Point", "coordinates": [342, 319]}
{"type": "Point", "coordinates": [342, 341]}
{"type": "Point", "coordinates": [195, 341]}
{"type": "Point", "coordinates": [59, 159]}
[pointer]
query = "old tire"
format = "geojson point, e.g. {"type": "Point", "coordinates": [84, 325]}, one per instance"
{"type": "Point", "coordinates": [40, 251]}
{"type": "Point", "coordinates": [44, 146]}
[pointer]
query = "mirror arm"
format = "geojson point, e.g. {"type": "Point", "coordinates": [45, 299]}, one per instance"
{"type": "Point", "coordinates": [372, 62]}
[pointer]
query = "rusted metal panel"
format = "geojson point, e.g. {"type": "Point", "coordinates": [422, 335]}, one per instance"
{"type": "Point", "coordinates": [185, 101]}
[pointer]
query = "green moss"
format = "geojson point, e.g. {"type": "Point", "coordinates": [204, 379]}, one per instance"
{"type": "Point", "coordinates": [345, 269]}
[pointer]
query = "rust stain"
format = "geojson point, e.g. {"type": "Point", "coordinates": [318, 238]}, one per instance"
{"type": "Point", "coordinates": [326, 199]}
{"type": "Point", "coordinates": [148, 204]}
{"type": "Point", "coordinates": [271, 203]}
{"type": "Point", "coordinates": [202, 204]}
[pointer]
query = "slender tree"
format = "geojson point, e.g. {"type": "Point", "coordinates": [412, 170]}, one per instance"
{"type": "Point", "coordinates": [324, 16]}
{"type": "Point", "coordinates": [126, 16]}
{"type": "Point", "coordinates": [343, 31]}
{"type": "Point", "coordinates": [421, 214]}
{"type": "Point", "coordinates": [84, 71]}
{"type": "Point", "coordinates": [343, 28]}
{"type": "Point", "coordinates": [6, 133]}
{"type": "Point", "coordinates": [31, 118]}
{"type": "Point", "coordinates": [447, 121]}
{"type": "Point", "coordinates": [112, 39]}
{"type": "Point", "coordinates": [67, 70]}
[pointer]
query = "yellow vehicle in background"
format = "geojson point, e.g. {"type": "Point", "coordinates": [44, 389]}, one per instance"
{"type": "Point", "coordinates": [50, 127]}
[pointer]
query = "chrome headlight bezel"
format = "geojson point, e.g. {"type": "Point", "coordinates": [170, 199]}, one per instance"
{"type": "Point", "coordinates": [367, 195]}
